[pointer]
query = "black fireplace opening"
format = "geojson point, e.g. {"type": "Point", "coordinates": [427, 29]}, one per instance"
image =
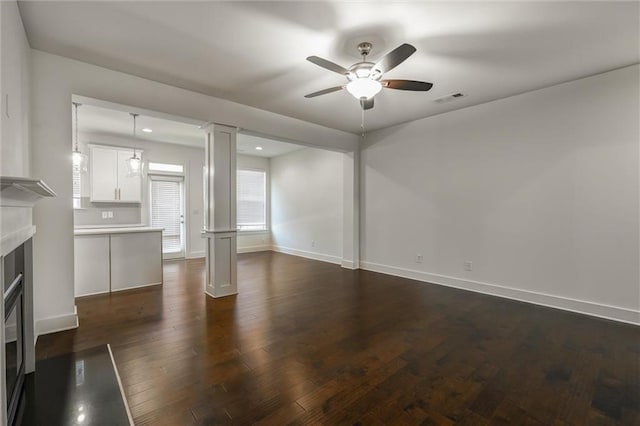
{"type": "Point", "coordinates": [14, 331]}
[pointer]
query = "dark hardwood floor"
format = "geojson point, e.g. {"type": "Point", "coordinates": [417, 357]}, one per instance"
{"type": "Point", "coordinates": [310, 342]}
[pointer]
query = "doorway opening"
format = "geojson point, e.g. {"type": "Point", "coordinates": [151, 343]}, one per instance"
{"type": "Point", "coordinates": [129, 220]}
{"type": "Point", "coordinates": [166, 208]}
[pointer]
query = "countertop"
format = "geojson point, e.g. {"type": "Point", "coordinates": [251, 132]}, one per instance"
{"type": "Point", "coordinates": [114, 230]}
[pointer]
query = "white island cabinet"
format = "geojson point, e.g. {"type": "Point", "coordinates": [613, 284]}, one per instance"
{"type": "Point", "coordinates": [112, 259]}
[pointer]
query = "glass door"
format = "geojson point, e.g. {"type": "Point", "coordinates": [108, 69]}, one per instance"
{"type": "Point", "coordinates": [167, 211]}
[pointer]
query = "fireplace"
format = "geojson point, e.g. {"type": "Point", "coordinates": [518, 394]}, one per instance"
{"type": "Point", "coordinates": [14, 330]}
{"type": "Point", "coordinates": [18, 195]}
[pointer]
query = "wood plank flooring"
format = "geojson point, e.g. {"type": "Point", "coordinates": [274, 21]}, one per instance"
{"type": "Point", "coordinates": [307, 342]}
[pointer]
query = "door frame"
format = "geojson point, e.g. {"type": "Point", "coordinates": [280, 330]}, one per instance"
{"type": "Point", "coordinates": [181, 179]}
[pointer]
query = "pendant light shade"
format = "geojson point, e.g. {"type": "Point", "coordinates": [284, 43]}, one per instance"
{"type": "Point", "coordinates": [79, 159]}
{"type": "Point", "coordinates": [134, 164]}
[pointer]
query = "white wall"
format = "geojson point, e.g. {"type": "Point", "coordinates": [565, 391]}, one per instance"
{"type": "Point", "coordinates": [540, 191]}
{"type": "Point", "coordinates": [307, 204]}
{"type": "Point", "coordinates": [54, 80]}
{"type": "Point", "coordinates": [190, 157]}
{"type": "Point", "coordinates": [256, 240]}
{"type": "Point", "coordinates": [15, 60]}
{"type": "Point", "coordinates": [14, 143]}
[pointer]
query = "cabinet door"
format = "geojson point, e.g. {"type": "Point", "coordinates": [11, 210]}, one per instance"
{"type": "Point", "coordinates": [136, 260]}
{"type": "Point", "coordinates": [129, 187]}
{"type": "Point", "coordinates": [91, 265]}
{"type": "Point", "coordinates": [103, 174]}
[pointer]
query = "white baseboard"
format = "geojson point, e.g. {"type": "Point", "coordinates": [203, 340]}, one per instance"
{"type": "Point", "coordinates": [57, 323]}
{"type": "Point", "coordinates": [195, 255]}
{"type": "Point", "coordinates": [308, 254]}
{"type": "Point", "coordinates": [208, 293]}
{"type": "Point", "coordinates": [92, 294]}
{"type": "Point", "coordinates": [253, 249]}
{"type": "Point", "coordinates": [115, 290]}
{"type": "Point", "coordinates": [348, 264]}
{"type": "Point", "coordinates": [580, 306]}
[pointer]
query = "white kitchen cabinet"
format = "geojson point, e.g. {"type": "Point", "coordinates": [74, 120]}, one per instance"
{"type": "Point", "coordinates": [136, 260]}
{"type": "Point", "coordinates": [111, 259]}
{"type": "Point", "coordinates": [91, 264]}
{"type": "Point", "coordinates": [129, 187]}
{"type": "Point", "coordinates": [110, 181]}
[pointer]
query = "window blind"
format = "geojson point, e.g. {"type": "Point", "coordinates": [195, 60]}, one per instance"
{"type": "Point", "coordinates": [165, 213]}
{"type": "Point", "coordinates": [251, 200]}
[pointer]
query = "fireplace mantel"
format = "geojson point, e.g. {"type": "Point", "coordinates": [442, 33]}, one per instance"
{"type": "Point", "coordinates": [18, 195]}
{"type": "Point", "coordinates": [22, 192]}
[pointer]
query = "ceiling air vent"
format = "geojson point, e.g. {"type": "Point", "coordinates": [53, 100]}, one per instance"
{"type": "Point", "coordinates": [449, 98]}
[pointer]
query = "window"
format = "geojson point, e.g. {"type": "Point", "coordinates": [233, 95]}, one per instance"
{"type": "Point", "coordinates": [251, 200]}
{"type": "Point", "coordinates": [165, 167]}
{"type": "Point", "coordinates": [77, 193]}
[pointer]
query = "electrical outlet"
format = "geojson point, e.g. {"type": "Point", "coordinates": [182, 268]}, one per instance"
{"type": "Point", "coordinates": [105, 215]}
{"type": "Point", "coordinates": [419, 258]}
{"type": "Point", "coordinates": [110, 215]}
{"type": "Point", "coordinates": [468, 265]}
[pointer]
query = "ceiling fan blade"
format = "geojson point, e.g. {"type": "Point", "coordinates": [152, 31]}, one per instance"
{"type": "Point", "coordinates": [324, 92]}
{"type": "Point", "coordinates": [417, 86]}
{"type": "Point", "coordinates": [328, 65]}
{"type": "Point", "coordinates": [366, 103]}
{"type": "Point", "coordinates": [394, 58]}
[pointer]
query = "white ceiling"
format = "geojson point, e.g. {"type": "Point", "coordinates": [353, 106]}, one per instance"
{"type": "Point", "coordinates": [107, 121]}
{"type": "Point", "coordinates": [94, 119]}
{"type": "Point", "coordinates": [254, 52]}
{"type": "Point", "coordinates": [247, 144]}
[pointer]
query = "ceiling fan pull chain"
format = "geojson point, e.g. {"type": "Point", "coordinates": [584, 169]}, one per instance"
{"type": "Point", "coordinates": [362, 121]}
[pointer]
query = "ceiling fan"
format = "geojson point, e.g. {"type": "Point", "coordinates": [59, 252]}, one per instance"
{"type": "Point", "coordinates": [365, 78]}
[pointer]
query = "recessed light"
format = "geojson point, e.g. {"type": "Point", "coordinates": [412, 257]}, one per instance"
{"type": "Point", "coordinates": [147, 130]}
{"type": "Point", "coordinates": [259, 148]}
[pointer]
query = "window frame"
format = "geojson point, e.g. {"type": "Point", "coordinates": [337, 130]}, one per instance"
{"type": "Point", "coordinates": [267, 224]}
{"type": "Point", "coordinates": [165, 172]}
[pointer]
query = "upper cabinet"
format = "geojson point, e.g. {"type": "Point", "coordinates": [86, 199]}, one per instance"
{"type": "Point", "coordinates": [110, 181]}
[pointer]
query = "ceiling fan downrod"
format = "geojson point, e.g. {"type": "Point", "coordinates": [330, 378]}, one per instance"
{"type": "Point", "coordinates": [364, 48]}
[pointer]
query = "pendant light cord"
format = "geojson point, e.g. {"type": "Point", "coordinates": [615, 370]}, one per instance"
{"type": "Point", "coordinates": [76, 105]}
{"type": "Point", "coordinates": [134, 115]}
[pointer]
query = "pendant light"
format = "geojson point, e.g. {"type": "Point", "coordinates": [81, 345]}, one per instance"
{"type": "Point", "coordinates": [134, 164]}
{"type": "Point", "coordinates": [79, 159]}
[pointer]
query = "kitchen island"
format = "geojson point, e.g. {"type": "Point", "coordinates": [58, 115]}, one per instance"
{"type": "Point", "coordinates": [116, 258]}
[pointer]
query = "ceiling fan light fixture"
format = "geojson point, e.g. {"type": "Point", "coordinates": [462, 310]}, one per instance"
{"type": "Point", "coordinates": [364, 88]}
{"type": "Point", "coordinates": [364, 78]}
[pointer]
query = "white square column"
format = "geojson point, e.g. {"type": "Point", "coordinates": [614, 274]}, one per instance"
{"type": "Point", "coordinates": [220, 211]}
